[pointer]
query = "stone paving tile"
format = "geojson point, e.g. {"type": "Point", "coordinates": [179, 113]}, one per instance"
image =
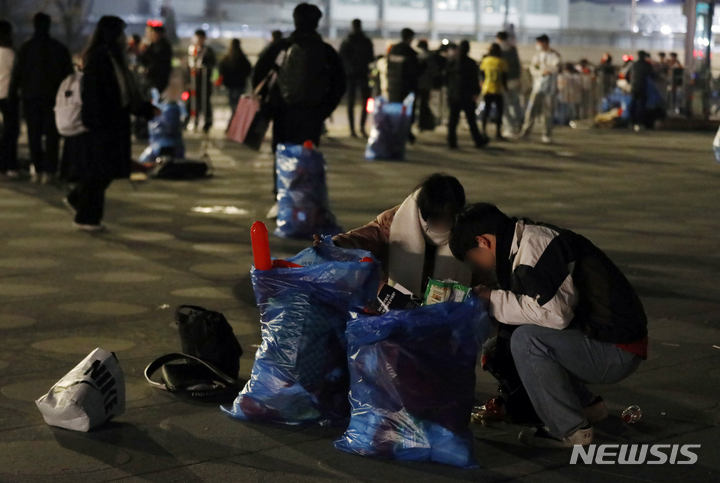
{"type": "Point", "coordinates": [650, 201]}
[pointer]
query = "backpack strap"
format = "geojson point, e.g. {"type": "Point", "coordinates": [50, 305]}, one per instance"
{"type": "Point", "coordinates": [176, 356]}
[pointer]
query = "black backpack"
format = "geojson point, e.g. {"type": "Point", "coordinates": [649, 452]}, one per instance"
{"type": "Point", "coordinates": [303, 78]}
{"type": "Point", "coordinates": [210, 352]}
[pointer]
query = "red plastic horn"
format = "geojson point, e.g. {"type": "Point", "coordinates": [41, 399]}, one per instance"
{"type": "Point", "coordinates": [260, 246]}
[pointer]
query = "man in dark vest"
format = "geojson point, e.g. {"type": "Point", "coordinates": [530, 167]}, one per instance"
{"type": "Point", "coordinates": [403, 70]}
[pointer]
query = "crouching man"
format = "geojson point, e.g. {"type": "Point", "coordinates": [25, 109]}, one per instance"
{"type": "Point", "coordinates": [578, 318]}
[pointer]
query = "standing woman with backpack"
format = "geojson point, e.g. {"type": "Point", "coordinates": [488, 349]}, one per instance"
{"type": "Point", "coordinates": [109, 96]}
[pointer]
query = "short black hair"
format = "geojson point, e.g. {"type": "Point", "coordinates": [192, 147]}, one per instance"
{"type": "Point", "coordinates": [357, 24]}
{"type": "Point", "coordinates": [276, 34]}
{"type": "Point", "coordinates": [306, 16]}
{"type": "Point", "coordinates": [422, 44]}
{"type": "Point", "coordinates": [159, 29]}
{"type": "Point", "coordinates": [407, 34]}
{"type": "Point", "coordinates": [464, 47]}
{"type": "Point", "coordinates": [495, 50]}
{"type": "Point", "coordinates": [475, 220]}
{"type": "Point", "coordinates": [201, 33]}
{"type": "Point", "coordinates": [41, 22]}
{"type": "Point", "coordinates": [6, 31]}
{"type": "Point", "coordinates": [501, 35]}
{"type": "Point", "coordinates": [438, 192]}
{"type": "Point", "coordinates": [542, 38]}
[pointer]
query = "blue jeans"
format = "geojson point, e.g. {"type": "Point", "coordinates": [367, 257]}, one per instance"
{"type": "Point", "coordinates": [554, 366]}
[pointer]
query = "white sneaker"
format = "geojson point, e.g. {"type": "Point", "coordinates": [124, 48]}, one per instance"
{"type": "Point", "coordinates": [89, 228]}
{"type": "Point", "coordinates": [637, 128]}
{"type": "Point", "coordinates": [12, 174]}
{"type": "Point", "coordinates": [273, 213]}
{"type": "Point", "coordinates": [546, 139]}
{"type": "Point", "coordinates": [540, 438]}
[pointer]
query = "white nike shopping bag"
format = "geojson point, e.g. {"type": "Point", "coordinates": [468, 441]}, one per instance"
{"type": "Point", "coordinates": [88, 396]}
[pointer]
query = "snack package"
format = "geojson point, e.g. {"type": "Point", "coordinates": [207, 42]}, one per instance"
{"type": "Point", "coordinates": [439, 291]}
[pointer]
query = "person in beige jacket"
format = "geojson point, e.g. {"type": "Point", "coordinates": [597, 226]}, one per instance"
{"type": "Point", "coordinates": [411, 239]}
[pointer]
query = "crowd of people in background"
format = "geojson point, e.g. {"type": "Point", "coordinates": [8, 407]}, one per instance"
{"type": "Point", "coordinates": [304, 79]}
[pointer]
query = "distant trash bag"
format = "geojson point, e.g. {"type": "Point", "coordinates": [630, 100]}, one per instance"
{"type": "Point", "coordinates": [716, 146]}
{"type": "Point", "coordinates": [412, 383]}
{"type": "Point", "coordinates": [166, 133]}
{"type": "Point", "coordinates": [390, 129]}
{"type": "Point", "coordinates": [300, 375]}
{"type": "Point", "coordinates": [303, 205]}
{"type": "Point", "coordinates": [88, 396]}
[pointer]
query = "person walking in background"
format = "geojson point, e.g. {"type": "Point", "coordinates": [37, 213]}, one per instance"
{"type": "Point", "coordinates": [203, 60]}
{"type": "Point", "coordinates": [357, 53]}
{"type": "Point", "coordinates": [403, 71]}
{"type": "Point", "coordinates": [8, 105]}
{"type": "Point", "coordinates": [41, 65]}
{"type": "Point", "coordinates": [607, 74]}
{"type": "Point", "coordinates": [494, 85]}
{"type": "Point", "coordinates": [310, 83]}
{"type": "Point", "coordinates": [235, 69]}
{"type": "Point", "coordinates": [432, 66]}
{"type": "Point", "coordinates": [103, 153]}
{"type": "Point", "coordinates": [512, 112]}
{"type": "Point", "coordinates": [640, 73]}
{"type": "Point", "coordinates": [156, 58]}
{"type": "Point", "coordinates": [544, 69]}
{"type": "Point", "coordinates": [463, 88]}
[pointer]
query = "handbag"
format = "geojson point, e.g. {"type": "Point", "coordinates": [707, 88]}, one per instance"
{"type": "Point", "coordinates": [252, 116]}
{"type": "Point", "coordinates": [210, 352]}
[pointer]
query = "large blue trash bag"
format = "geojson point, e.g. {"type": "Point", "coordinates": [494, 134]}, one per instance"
{"type": "Point", "coordinates": [617, 98]}
{"type": "Point", "coordinates": [390, 129]}
{"type": "Point", "coordinates": [300, 375]}
{"type": "Point", "coordinates": [165, 131]}
{"type": "Point", "coordinates": [412, 383]}
{"type": "Point", "coordinates": [303, 205]}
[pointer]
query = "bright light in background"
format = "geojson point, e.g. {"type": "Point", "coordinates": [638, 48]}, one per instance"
{"type": "Point", "coordinates": [445, 41]}
{"type": "Point", "coordinates": [665, 30]}
{"type": "Point", "coordinates": [658, 1]}
{"type": "Point", "coordinates": [635, 28]}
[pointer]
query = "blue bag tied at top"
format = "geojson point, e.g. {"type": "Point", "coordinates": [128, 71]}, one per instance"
{"type": "Point", "coordinates": [303, 205]}
{"type": "Point", "coordinates": [390, 129]}
{"type": "Point", "coordinates": [300, 375]}
{"type": "Point", "coordinates": [412, 383]}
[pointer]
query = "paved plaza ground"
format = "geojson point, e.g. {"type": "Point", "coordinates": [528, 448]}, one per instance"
{"type": "Point", "coordinates": [650, 201]}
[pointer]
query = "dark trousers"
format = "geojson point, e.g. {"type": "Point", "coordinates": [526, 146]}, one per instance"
{"type": "Point", "coordinates": [426, 118]}
{"type": "Point", "coordinates": [353, 86]}
{"type": "Point", "coordinates": [468, 107]}
{"type": "Point", "coordinates": [637, 113]}
{"type": "Point", "coordinates": [497, 100]}
{"type": "Point", "coordinates": [10, 132]}
{"type": "Point", "coordinates": [40, 119]}
{"type": "Point", "coordinates": [234, 94]}
{"type": "Point", "coordinates": [88, 199]}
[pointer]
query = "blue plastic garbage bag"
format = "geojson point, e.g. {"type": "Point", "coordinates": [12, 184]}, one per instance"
{"type": "Point", "coordinates": [165, 132]}
{"type": "Point", "coordinates": [617, 98]}
{"type": "Point", "coordinates": [390, 129]}
{"type": "Point", "coordinates": [303, 205]}
{"type": "Point", "coordinates": [412, 382]}
{"type": "Point", "coordinates": [300, 375]}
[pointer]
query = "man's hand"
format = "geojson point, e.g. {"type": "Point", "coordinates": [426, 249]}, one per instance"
{"type": "Point", "coordinates": [483, 292]}
{"type": "Point", "coordinates": [317, 240]}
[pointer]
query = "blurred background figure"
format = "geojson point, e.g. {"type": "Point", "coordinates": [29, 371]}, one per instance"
{"type": "Point", "coordinates": [156, 58]}
{"type": "Point", "coordinates": [463, 88]}
{"type": "Point", "coordinates": [494, 85]}
{"type": "Point", "coordinates": [403, 71]}
{"type": "Point", "coordinates": [544, 69]}
{"type": "Point", "coordinates": [357, 54]}
{"type": "Point", "coordinates": [8, 105]}
{"type": "Point", "coordinates": [235, 68]}
{"type": "Point", "coordinates": [203, 60]}
{"type": "Point", "coordinates": [512, 113]}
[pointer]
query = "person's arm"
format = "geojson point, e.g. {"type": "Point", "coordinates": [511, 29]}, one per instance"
{"type": "Point", "coordinates": [475, 78]}
{"type": "Point", "coordinates": [16, 75]}
{"type": "Point", "coordinates": [373, 237]}
{"type": "Point", "coordinates": [266, 62]}
{"type": "Point", "coordinates": [338, 80]}
{"type": "Point", "coordinates": [552, 63]}
{"type": "Point", "coordinates": [516, 309]}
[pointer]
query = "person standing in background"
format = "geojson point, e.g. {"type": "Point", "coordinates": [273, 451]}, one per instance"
{"type": "Point", "coordinates": [8, 106]}
{"type": "Point", "coordinates": [463, 88]}
{"type": "Point", "coordinates": [234, 69]}
{"type": "Point", "coordinates": [357, 53]}
{"type": "Point", "coordinates": [203, 60]}
{"type": "Point", "coordinates": [638, 76]}
{"type": "Point", "coordinates": [156, 58]}
{"type": "Point", "coordinates": [403, 71]}
{"type": "Point", "coordinates": [41, 65]}
{"type": "Point", "coordinates": [494, 86]}
{"type": "Point", "coordinates": [512, 112]}
{"type": "Point", "coordinates": [544, 69]}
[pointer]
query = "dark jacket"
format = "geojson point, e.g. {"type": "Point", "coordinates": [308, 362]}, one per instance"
{"type": "Point", "coordinates": [40, 66]}
{"type": "Point", "coordinates": [157, 60]}
{"type": "Point", "coordinates": [403, 72]}
{"type": "Point", "coordinates": [357, 53]}
{"type": "Point", "coordinates": [432, 65]}
{"type": "Point", "coordinates": [512, 59]}
{"type": "Point", "coordinates": [105, 149]}
{"type": "Point", "coordinates": [335, 83]}
{"type": "Point", "coordinates": [235, 71]}
{"type": "Point", "coordinates": [638, 76]}
{"type": "Point", "coordinates": [558, 279]}
{"type": "Point", "coordinates": [463, 79]}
